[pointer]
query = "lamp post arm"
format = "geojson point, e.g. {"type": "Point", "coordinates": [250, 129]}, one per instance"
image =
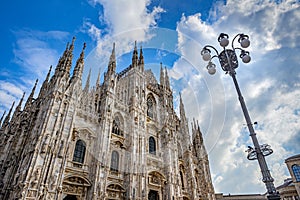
{"type": "Point", "coordinates": [209, 46]}
{"type": "Point", "coordinates": [234, 39]}
{"type": "Point", "coordinates": [267, 178]}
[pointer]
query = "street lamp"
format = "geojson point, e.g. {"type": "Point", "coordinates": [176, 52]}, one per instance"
{"type": "Point", "coordinates": [229, 62]}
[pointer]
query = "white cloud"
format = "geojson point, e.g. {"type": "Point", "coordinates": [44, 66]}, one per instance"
{"type": "Point", "coordinates": [33, 56]}
{"type": "Point", "coordinates": [32, 50]}
{"type": "Point", "coordinates": [9, 93]}
{"type": "Point", "coordinates": [269, 84]}
{"type": "Point", "coordinates": [126, 21]}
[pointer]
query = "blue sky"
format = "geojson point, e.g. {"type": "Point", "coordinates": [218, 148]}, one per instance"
{"type": "Point", "coordinates": [33, 35]}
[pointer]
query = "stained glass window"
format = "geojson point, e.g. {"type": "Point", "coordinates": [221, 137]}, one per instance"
{"type": "Point", "coordinates": [152, 146]}
{"type": "Point", "coordinates": [79, 152]}
{"type": "Point", "coordinates": [114, 165]}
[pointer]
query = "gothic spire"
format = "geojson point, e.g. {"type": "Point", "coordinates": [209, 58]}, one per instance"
{"type": "Point", "coordinates": [181, 108]}
{"type": "Point", "coordinates": [30, 98]}
{"type": "Point", "coordinates": [98, 80]}
{"type": "Point", "coordinates": [141, 58]}
{"type": "Point", "coordinates": [7, 118]}
{"type": "Point", "coordinates": [79, 64]}
{"type": "Point", "coordinates": [65, 62]}
{"type": "Point", "coordinates": [135, 56]}
{"type": "Point", "coordinates": [87, 84]}
{"type": "Point", "coordinates": [72, 44]}
{"type": "Point", "coordinates": [2, 118]}
{"type": "Point", "coordinates": [113, 54]}
{"type": "Point", "coordinates": [162, 76]}
{"type": "Point", "coordinates": [200, 133]}
{"type": "Point", "coordinates": [18, 108]}
{"type": "Point", "coordinates": [112, 61]}
{"type": "Point", "coordinates": [70, 57]}
{"type": "Point", "coordinates": [45, 83]}
{"type": "Point", "coordinates": [167, 80]}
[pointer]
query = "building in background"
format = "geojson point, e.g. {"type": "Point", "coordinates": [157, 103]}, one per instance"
{"type": "Point", "coordinates": [117, 140]}
{"type": "Point", "coordinates": [290, 189]}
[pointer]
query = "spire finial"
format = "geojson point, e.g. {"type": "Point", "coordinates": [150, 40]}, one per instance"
{"type": "Point", "coordinates": [82, 52]}
{"type": "Point", "coordinates": [72, 44]}
{"type": "Point", "coordinates": [6, 120]}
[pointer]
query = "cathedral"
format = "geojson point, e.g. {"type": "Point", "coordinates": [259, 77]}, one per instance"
{"type": "Point", "coordinates": [119, 139]}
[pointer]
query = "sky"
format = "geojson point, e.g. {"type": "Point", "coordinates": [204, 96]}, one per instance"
{"type": "Point", "coordinates": [34, 34]}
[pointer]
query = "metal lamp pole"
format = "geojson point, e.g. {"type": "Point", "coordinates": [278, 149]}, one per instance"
{"type": "Point", "coordinates": [229, 62]}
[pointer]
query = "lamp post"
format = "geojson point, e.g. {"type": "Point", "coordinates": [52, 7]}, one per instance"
{"type": "Point", "coordinates": [229, 62]}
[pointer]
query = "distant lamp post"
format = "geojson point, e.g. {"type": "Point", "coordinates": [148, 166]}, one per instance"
{"type": "Point", "coordinates": [229, 62]}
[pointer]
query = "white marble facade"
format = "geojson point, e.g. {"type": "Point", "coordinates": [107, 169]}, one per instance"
{"type": "Point", "coordinates": [120, 139]}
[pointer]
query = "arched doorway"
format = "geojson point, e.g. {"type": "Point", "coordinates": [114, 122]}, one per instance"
{"type": "Point", "coordinates": [70, 197]}
{"type": "Point", "coordinates": [75, 187]}
{"type": "Point", "coordinates": [115, 191]}
{"type": "Point", "coordinates": [153, 195]}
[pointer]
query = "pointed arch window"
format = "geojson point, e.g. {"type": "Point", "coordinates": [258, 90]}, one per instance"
{"type": "Point", "coordinates": [79, 151]}
{"type": "Point", "coordinates": [296, 171]}
{"type": "Point", "coordinates": [118, 125]}
{"type": "Point", "coordinates": [152, 145]}
{"type": "Point", "coordinates": [150, 107]}
{"type": "Point", "coordinates": [114, 164]}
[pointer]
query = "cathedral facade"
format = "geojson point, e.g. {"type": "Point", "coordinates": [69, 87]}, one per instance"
{"type": "Point", "coordinates": [120, 139]}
